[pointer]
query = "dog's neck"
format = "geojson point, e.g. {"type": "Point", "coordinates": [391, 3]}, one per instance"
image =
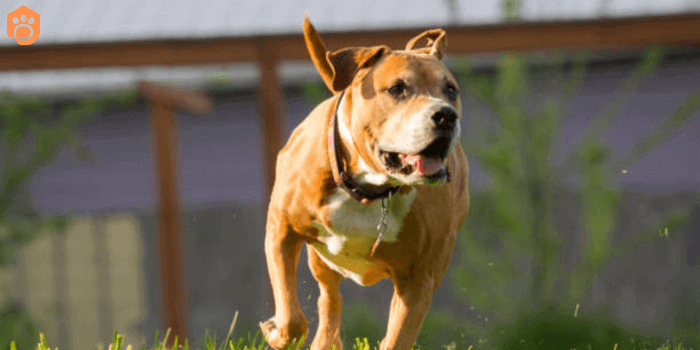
{"type": "Point", "coordinates": [363, 192]}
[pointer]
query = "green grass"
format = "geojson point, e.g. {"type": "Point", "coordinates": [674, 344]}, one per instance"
{"type": "Point", "coordinates": [256, 342]}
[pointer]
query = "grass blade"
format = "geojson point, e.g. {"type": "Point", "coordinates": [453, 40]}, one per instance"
{"type": "Point", "coordinates": [42, 342]}
{"type": "Point", "coordinates": [230, 331]}
{"type": "Point", "coordinates": [155, 342]}
{"type": "Point", "coordinates": [164, 345]}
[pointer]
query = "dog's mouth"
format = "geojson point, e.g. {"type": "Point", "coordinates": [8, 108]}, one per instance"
{"type": "Point", "coordinates": [430, 163]}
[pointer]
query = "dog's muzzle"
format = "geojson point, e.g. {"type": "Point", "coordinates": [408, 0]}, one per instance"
{"type": "Point", "coordinates": [430, 162]}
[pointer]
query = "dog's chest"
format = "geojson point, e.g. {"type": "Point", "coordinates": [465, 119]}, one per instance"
{"type": "Point", "coordinates": [345, 244]}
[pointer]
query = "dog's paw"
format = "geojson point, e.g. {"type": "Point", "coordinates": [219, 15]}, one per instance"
{"type": "Point", "coordinates": [284, 336]}
{"type": "Point", "coordinates": [325, 344]}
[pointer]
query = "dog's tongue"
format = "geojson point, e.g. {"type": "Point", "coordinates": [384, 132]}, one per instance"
{"type": "Point", "coordinates": [427, 166]}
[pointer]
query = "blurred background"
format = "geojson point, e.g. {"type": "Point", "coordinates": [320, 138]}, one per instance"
{"type": "Point", "coordinates": [581, 124]}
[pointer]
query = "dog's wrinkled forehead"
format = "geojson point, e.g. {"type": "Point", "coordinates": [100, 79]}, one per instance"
{"type": "Point", "coordinates": [420, 71]}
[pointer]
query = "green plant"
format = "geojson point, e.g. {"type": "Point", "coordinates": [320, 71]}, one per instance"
{"type": "Point", "coordinates": [552, 328]}
{"type": "Point", "coordinates": [255, 342]}
{"type": "Point", "coordinates": [15, 324]}
{"type": "Point", "coordinates": [361, 321]}
{"type": "Point", "coordinates": [511, 244]}
{"type": "Point", "coordinates": [33, 134]}
{"type": "Point", "coordinates": [443, 329]}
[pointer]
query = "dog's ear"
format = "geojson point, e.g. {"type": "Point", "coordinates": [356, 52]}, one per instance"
{"type": "Point", "coordinates": [317, 51]}
{"type": "Point", "coordinates": [436, 46]}
{"type": "Point", "coordinates": [347, 62]}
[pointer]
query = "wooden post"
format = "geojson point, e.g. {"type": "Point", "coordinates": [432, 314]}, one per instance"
{"type": "Point", "coordinates": [272, 122]}
{"type": "Point", "coordinates": [270, 99]}
{"type": "Point", "coordinates": [162, 100]}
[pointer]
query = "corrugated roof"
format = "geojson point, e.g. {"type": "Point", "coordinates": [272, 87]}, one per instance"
{"type": "Point", "coordinates": [71, 21]}
{"type": "Point", "coordinates": [64, 21]}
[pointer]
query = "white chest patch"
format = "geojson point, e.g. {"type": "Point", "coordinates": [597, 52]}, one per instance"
{"type": "Point", "coordinates": [346, 245]}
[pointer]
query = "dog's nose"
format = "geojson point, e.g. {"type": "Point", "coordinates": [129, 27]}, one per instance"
{"type": "Point", "coordinates": [445, 118]}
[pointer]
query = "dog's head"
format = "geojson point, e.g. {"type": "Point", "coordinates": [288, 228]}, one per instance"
{"type": "Point", "coordinates": [402, 108]}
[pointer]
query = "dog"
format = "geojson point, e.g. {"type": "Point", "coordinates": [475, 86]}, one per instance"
{"type": "Point", "coordinates": [374, 182]}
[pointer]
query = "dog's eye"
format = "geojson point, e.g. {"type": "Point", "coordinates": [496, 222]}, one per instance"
{"type": "Point", "coordinates": [398, 90]}
{"type": "Point", "coordinates": [451, 92]}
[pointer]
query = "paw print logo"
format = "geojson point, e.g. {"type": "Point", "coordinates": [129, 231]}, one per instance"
{"type": "Point", "coordinates": [23, 25]}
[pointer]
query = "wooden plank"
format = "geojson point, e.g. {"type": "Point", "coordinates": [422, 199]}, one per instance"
{"type": "Point", "coordinates": [125, 261]}
{"type": "Point", "coordinates": [270, 101]}
{"type": "Point", "coordinates": [126, 54]}
{"type": "Point", "coordinates": [105, 325]}
{"type": "Point", "coordinates": [41, 292]}
{"type": "Point", "coordinates": [188, 100]}
{"type": "Point", "coordinates": [83, 307]}
{"type": "Point", "coordinates": [63, 296]}
{"type": "Point", "coordinates": [599, 34]}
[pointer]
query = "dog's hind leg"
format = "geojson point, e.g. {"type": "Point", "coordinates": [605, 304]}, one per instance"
{"type": "Point", "coordinates": [330, 303]}
{"type": "Point", "coordinates": [288, 325]}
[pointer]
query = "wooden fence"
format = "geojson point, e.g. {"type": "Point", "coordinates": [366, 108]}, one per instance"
{"type": "Point", "coordinates": [81, 285]}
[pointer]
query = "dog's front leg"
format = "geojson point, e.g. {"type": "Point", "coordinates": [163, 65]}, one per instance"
{"type": "Point", "coordinates": [282, 248]}
{"type": "Point", "coordinates": [409, 305]}
{"type": "Point", "coordinates": [330, 303]}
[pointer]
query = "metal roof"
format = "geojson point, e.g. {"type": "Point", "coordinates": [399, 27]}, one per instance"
{"type": "Point", "coordinates": [73, 21]}
{"type": "Point", "coordinates": [65, 21]}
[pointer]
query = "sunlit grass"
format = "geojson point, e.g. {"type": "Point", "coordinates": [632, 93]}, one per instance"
{"type": "Point", "coordinates": [256, 342]}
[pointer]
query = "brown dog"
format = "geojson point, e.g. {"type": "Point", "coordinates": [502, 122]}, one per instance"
{"type": "Point", "coordinates": [374, 181]}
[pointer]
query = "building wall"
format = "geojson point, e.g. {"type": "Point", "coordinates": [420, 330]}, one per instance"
{"type": "Point", "coordinates": [220, 153]}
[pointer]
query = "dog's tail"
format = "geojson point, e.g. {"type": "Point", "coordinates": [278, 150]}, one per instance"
{"type": "Point", "coordinates": [317, 51]}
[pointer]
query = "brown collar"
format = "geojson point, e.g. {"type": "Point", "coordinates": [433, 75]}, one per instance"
{"type": "Point", "coordinates": [362, 193]}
